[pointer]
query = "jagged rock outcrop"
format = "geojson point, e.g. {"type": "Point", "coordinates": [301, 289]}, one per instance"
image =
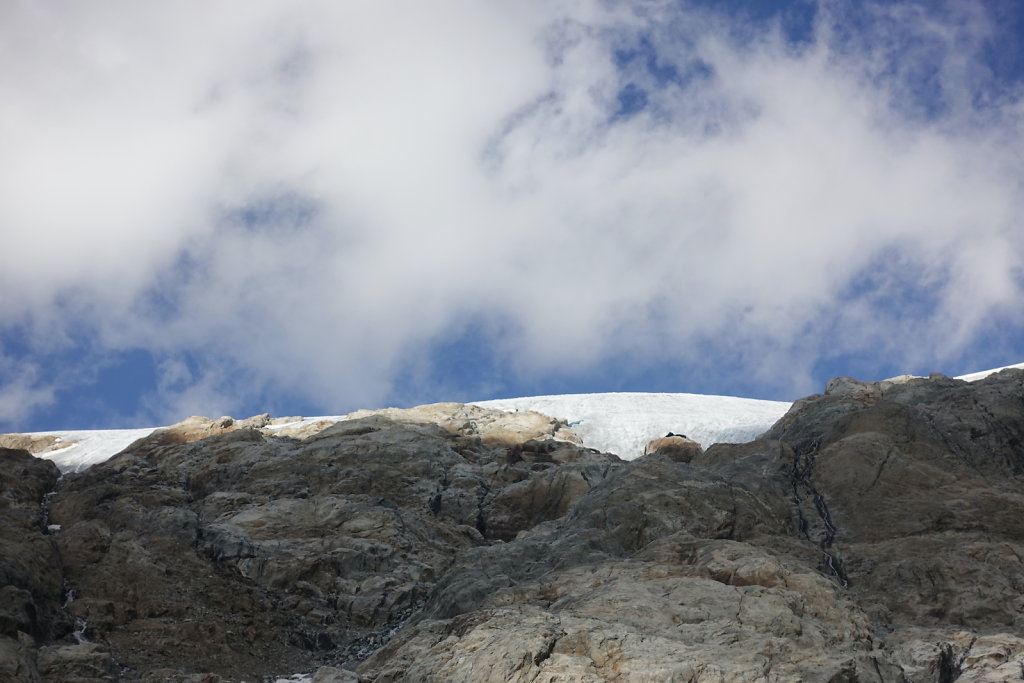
{"type": "Point", "coordinates": [876, 533]}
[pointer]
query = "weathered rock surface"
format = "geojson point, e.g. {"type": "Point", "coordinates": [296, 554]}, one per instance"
{"type": "Point", "coordinates": [213, 547]}
{"type": "Point", "coordinates": [33, 443]}
{"type": "Point", "coordinates": [656, 574]}
{"type": "Point", "coordinates": [876, 533]}
{"type": "Point", "coordinates": [873, 535]}
{"type": "Point", "coordinates": [914, 490]}
{"type": "Point", "coordinates": [30, 575]}
{"type": "Point", "coordinates": [494, 427]}
{"type": "Point", "coordinates": [197, 427]}
{"type": "Point", "coordinates": [675, 447]}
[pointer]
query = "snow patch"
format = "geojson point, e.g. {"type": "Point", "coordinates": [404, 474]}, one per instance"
{"type": "Point", "coordinates": [88, 447]}
{"type": "Point", "coordinates": [975, 376]}
{"type": "Point", "coordinates": [623, 423]}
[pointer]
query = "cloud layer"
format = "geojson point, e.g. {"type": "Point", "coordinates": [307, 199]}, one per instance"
{"type": "Point", "coordinates": [309, 199]}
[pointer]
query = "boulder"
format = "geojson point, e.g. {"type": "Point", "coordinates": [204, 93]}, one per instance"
{"type": "Point", "coordinates": [675, 447]}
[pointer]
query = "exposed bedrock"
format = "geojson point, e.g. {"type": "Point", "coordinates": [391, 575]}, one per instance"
{"type": "Point", "coordinates": [873, 535]}
{"type": "Point", "coordinates": [876, 533]}
{"type": "Point", "coordinates": [31, 581]}
{"type": "Point", "coordinates": [251, 555]}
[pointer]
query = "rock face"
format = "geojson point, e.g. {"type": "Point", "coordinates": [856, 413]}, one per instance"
{"type": "Point", "coordinates": [913, 493]}
{"type": "Point", "coordinates": [213, 547]}
{"type": "Point", "coordinates": [873, 535]}
{"type": "Point", "coordinates": [30, 569]}
{"type": "Point", "coordinates": [876, 533]}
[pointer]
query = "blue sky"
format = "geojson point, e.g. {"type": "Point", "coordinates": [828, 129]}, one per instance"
{"type": "Point", "coordinates": [317, 207]}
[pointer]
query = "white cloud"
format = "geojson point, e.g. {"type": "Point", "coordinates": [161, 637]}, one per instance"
{"type": "Point", "coordinates": [433, 163]}
{"type": "Point", "coordinates": [21, 390]}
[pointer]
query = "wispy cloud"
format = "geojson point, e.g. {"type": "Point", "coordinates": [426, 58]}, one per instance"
{"type": "Point", "coordinates": [310, 198]}
{"type": "Point", "coordinates": [22, 390]}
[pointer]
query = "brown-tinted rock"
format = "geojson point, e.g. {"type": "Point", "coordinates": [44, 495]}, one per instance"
{"type": "Point", "coordinates": [301, 430]}
{"type": "Point", "coordinates": [674, 447]}
{"type": "Point", "coordinates": [197, 427]}
{"type": "Point", "coordinates": [493, 427]}
{"type": "Point", "coordinates": [33, 443]}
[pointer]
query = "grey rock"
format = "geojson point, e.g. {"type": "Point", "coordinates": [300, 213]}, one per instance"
{"type": "Point", "coordinates": [856, 542]}
{"type": "Point", "coordinates": [874, 534]}
{"type": "Point", "coordinates": [30, 576]}
{"type": "Point", "coordinates": [330, 674]}
{"type": "Point", "coordinates": [80, 663]}
{"type": "Point", "coordinates": [18, 659]}
{"type": "Point", "coordinates": [216, 548]}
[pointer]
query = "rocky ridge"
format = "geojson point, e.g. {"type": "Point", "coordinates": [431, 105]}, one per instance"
{"type": "Point", "coordinates": [874, 533]}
